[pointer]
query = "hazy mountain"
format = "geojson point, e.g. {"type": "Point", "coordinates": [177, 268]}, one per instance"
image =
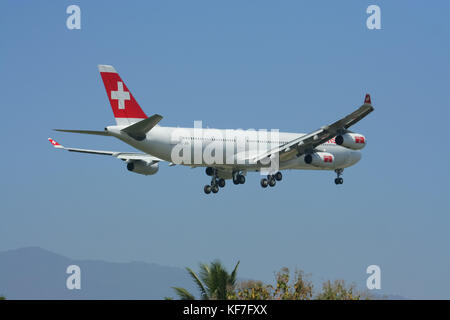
{"type": "Point", "coordinates": [35, 273]}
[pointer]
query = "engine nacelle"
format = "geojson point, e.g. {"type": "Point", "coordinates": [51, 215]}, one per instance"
{"type": "Point", "coordinates": [142, 167]}
{"type": "Point", "coordinates": [354, 141]}
{"type": "Point", "coordinates": [320, 159]}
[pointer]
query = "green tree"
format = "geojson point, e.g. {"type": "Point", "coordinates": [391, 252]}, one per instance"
{"type": "Point", "coordinates": [338, 290]}
{"type": "Point", "coordinates": [297, 288]}
{"type": "Point", "coordinates": [213, 281]}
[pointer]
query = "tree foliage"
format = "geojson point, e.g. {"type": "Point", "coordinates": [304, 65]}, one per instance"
{"type": "Point", "coordinates": [338, 290]}
{"type": "Point", "coordinates": [297, 288]}
{"type": "Point", "coordinates": [213, 281]}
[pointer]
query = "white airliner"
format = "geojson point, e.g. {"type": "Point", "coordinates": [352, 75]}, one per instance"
{"type": "Point", "coordinates": [226, 154]}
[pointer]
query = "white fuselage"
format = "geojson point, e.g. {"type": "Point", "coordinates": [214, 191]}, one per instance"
{"type": "Point", "coordinates": [232, 148]}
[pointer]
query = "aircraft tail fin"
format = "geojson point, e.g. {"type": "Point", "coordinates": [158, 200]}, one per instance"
{"type": "Point", "coordinates": [125, 107]}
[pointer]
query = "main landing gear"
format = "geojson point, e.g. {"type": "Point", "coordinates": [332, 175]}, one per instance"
{"type": "Point", "coordinates": [271, 180]}
{"type": "Point", "coordinates": [238, 178]}
{"type": "Point", "coordinates": [339, 180]}
{"type": "Point", "coordinates": [216, 182]}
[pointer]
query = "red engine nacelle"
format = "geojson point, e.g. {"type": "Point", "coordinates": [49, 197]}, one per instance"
{"type": "Point", "coordinates": [320, 159]}
{"type": "Point", "coordinates": [354, 141]}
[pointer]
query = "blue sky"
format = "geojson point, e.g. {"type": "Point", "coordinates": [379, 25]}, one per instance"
{"type": "Point", "coordinates": [290, 65]}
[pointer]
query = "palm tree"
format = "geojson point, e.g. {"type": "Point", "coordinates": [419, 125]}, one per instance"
{"type": "Point", "coordinates": [213, 281]}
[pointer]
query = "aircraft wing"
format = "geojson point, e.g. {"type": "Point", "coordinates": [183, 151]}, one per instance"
{"type": "Point", "coordinates": [311, 140]}
{"type": "Point", "coordinates": [125, 156]}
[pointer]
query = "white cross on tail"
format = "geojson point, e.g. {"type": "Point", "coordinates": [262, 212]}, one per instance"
{"type": "Point", "coordinates": [120, 95]}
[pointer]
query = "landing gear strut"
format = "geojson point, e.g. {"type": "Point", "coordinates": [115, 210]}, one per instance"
{"type": "Point", "coordinates": [339, 180]}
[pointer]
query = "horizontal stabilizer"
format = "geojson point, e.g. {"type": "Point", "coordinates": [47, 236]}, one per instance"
{"type": "Point", "coordinates": [139, 129]}
{"type": "Point", "coordinates": [99, 133]}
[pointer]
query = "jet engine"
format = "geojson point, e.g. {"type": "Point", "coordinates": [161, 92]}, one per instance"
{"type": "Point", "coordinates": [354, 141]}
{"type": "Point", "coordinates": [320, 159]}
{"type": "Point", "coordinates": [142, 167]}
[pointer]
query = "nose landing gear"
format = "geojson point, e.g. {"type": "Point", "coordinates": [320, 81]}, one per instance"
{"type": "Point", "coordinates": [339, 180]}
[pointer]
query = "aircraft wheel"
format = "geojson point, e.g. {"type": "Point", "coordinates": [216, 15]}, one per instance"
{"type": "Point", "coordinates": [264, 182]}
{"type": "Point", "coordinates": [272, 182]}
{"type": "Point", "coordinates": [241, 179]}
{"type": "Point", "coordinates": [278, 176]}
{"type": "Point", "coordinates": [215, 189]}
{"type": "Point", "coordinates": [207, 189]}
{"type": "Point", "coordinates": [209, 171]}
{"type": "Point", "coordinates": [221, 182]}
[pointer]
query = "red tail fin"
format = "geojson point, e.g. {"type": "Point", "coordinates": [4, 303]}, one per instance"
{"type": "Point", "coordinates": [367, 99]}
{"type": "Point", "coordinates": [125, 108]}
